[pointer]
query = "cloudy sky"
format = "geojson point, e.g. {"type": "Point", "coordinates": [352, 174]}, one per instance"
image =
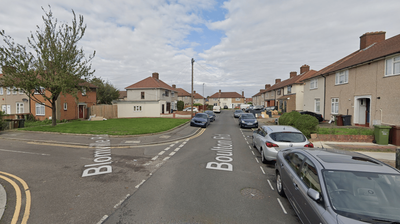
{"type": "Point", "coordinates": [237, 45]}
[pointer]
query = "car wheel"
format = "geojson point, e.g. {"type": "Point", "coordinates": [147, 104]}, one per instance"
{"type": "Point", "coordinates": [254, 144]}
{"type": "Point", "coordinates": [263, 160]}
{"type": "Point", "coordinates": [279, 185]}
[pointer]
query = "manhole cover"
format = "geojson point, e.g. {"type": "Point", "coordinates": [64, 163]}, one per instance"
{"type": "Point", "coordinates": [252, 193]}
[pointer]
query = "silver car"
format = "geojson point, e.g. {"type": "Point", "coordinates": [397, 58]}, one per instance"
{"type": "Point", "coordinates": [336, 186]}
{"type": "Point", "coordinates": [268, 140]}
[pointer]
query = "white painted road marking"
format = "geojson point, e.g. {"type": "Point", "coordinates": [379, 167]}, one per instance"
{"type": "Point", "coordinates": [256, 159]}
{"type": "Point", "coordinates": [172, 153]}
{"type": "Point", "coordinates": [284, 211]}
{"type": "Point", "coordinates": [162, 152]}
{"type": "Point", "coordinates": [137, 186]}
{"type": "Point", "coordinates": [262, 170]}
{"type": "Point", "coordinates": [154, 158]}
{"type": "Point", "coordinates": [40, 154]}
{"type": "Point", "coordinates": [166, 158]}
{"type": "Point", "coordinates": [270, 185]}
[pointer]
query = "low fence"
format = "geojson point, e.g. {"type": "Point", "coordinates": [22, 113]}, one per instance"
{"type": "Point", "coordinates": [104, 110]}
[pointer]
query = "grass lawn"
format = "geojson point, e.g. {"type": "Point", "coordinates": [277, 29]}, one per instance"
{"type": "Point", "coordinates": [131, 126]}
{"type": "Point", "coordinates": [345, 131]}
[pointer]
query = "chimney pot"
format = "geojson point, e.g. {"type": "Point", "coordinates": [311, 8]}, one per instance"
{"type": "Point", "coordinates": [219, 91]}
{"type": "Point", "coordinates": [277, 81]}
{"type": "Point", "coordinates": [155, 75]}
{"type": "Point", "coordinates": [267, 86]}
{"type": "Point", "coordinates": [173, 86]}
{"type": "Point", "coordinates": [304, 68]}
{"type": "Point", "coordinates": [293, 74]}
{"type": "Point", "coordinates": [370, 38]}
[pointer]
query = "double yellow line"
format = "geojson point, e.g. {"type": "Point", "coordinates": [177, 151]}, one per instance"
{"type": "Point", "coordinates": [18, 194]}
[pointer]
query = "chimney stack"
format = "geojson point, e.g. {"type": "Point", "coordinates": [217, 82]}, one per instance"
{"type": "Point", "coordinates": [219, 91]}
{"type": "Point", "coordinates": [293, 74]}
{"type": "Point", "coordinates": [173, 86]}
{"type": "Point", "coordinates": [370, 38]}
{"type": "Point", "coordinates": [267, 86]}
{"type": "Point", "coordinates": [194, 91]}
{"type": "Point", "coordinates": [304, 68]}
{"type": "Point", "coordinates": [277, 81]}
{"type": "Point", "coordinates": [155, 75]}
{"type": "Point", "coordinates": [242, 93]}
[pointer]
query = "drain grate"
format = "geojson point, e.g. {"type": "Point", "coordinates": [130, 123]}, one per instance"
{"type": "Point", "coordinates": [252, 193]}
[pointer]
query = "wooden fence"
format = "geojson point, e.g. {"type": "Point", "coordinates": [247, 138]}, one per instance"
{"type": "Point", "coordinates": [104, 110]}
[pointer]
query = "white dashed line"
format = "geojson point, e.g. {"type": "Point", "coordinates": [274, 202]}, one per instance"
{"type": "Point", "coordinates": [166, 158]}
{"type": "Point", "coordinates": [137, 186]}
{"type": "Point", "coordinates": [247, 142]}
{"type": "Point", "coordinates": [162, 152]}
{"type": "Point", "coordinates": [271, 185]}
{"type": "Point", "coordinates": [103, 219]}
{"type": "Point", "coordinates": [119, 203]}
{"type": "Point", "coordinates": [172, 153]}
{"type": "Point", "coordinates": [167, 149]}
{"type": "Point", "coordinates": [249, 147]}
{"type": "Point", "coordinates": [284, 211]}
{"type": "Point", "coordinates": [177, 149]}
{"type": "Point", "coordinates": [253, 153]}
{"type": "Point", "coordinates": [262, 170]}
{"type": "Point", "coordinates": [154, 158]}
{"type": "Point", "coordinates": [257, 160]}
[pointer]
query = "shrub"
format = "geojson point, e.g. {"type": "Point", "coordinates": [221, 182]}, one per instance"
{"type": "Point", "coordinates": [180, 105]}
{"type": "Point", "coordinates": [2, 123]}
{"type": "Point", "coordinates": [306, 124]}
{"type": "Point", "coordinates": [289, 118]}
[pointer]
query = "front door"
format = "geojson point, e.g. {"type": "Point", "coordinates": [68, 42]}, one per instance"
{"type": "Point", "coordinates": [162, 108]}
{"type": "Point", "coordinates": [81, 111]}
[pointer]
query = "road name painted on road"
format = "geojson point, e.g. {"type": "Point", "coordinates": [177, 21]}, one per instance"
{"type": "Point", "coordinates": [224, 151]}
{"type": "Point", "coordinates": [102, 157]}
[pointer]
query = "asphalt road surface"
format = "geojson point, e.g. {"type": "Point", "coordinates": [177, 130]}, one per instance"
{"type": "Point", "coordinates": [215, 178]}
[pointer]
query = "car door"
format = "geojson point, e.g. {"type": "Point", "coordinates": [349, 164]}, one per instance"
{"type": "Point", "coordinates": [291, 180]}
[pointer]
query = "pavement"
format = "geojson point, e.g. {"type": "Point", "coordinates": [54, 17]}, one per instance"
{"type": "Point", "coordinates": [383, 153]}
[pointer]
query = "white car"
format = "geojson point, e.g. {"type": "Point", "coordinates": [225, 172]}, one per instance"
{"type": "Point", "coordinates": [268, 140]}
{"type": "Point", "coordinates": [216, 109]}
{"type": "Point", "coordinates": [189, 109]}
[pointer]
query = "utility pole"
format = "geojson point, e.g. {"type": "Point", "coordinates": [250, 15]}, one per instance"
{"type": "Point", "coordinates": [191, 98]}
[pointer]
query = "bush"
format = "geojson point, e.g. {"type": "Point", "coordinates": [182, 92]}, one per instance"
{"type": "Point", "coordinates": [2, 123]}
{"type": "Point", "coordinates": [306, 124]}
{"type": "Point", "coordinates": [289, 118]}
{"type": "Point", "coordinates": [180, 105]}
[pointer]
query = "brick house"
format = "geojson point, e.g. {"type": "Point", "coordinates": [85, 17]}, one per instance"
{"type": "Point", "coordinates": [68, 107]}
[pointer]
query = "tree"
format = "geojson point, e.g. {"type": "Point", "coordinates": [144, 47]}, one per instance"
{"type": "Point", "coordinates": [51, 61]}
{"type": "Point", "coordinates": [105, 92]}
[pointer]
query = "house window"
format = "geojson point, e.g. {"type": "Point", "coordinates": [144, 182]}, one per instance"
{"type": "Point", "coordinates": [14, 90]}
{"type": "Point", "coordinates": [8, 91]}
{"type": "Point", "coordinates": [278, 92]}
{"type": "Point", "coordinates": [142, 95]}
{"type": "Point", "coordinates": [342, 77]}
{"type": "Point", "coordinates": [1, 91]}
{"type": "Point", "coordinates": [314, 84]}
{"type": "Point", "coordinates": [335, 105]}
{"type": "Point", "coordinates": [137, 108]}
{"type": "Point", "coordinates": [166, 93]}
{"type": "Point", "coordinates": [317, 105]}
{"type": "Point", "coordinates": [289, 89]}
{"type": "Point", "coordinates": [21, 91]}
{"type": "Point", "coordinates": [40, 109]}
{"type": "Point", "coordinates": [65, 106]}
{"type": "Point", "coordinates": [172, 94]}
{"type": "Point", "coordinates": [83, 92]}
{"type": "Point", "coordinates": [237, 99]}
{"type": "Point", "coordinates": [39, 90]}
{"type": "Point", "coordinates": [393, 66]}
{"type": "Point", "coordinates": [20, 108]}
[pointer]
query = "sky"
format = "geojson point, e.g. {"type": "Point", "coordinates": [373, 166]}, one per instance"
{"type": "Point", "coordinates": [237, 45]}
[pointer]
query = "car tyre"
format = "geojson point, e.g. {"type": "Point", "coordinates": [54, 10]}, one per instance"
{"type": "Point", "coordinates": [263, 160]}
{"type": "Point", "coordinates": [253, 143]}
{"type": "Point", "coordinates": [279, 185]}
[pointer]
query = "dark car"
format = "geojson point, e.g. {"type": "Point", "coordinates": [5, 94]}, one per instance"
{"type": "Point", "coordinates": [200, 119]}
{"type": "Point", "coordinates": [247, 120]}
{"type": "Point", "coordinates": [211, 114]}
{"type": "Point", "coordinates": [249, 108]}
{"type": "Point", "coordinates": [225, 107]}
{"type": "Point", "coordinates": [336, 186]}
{"type": "Point", "coordinates": [318, 116]}
{"type": "Point", "coordinates": [237, 113]}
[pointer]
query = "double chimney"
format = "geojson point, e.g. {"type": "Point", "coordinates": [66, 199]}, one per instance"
{"type": "Point", "coordinates": [370, 38]}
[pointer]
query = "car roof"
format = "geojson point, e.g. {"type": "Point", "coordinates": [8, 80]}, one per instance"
{"type": "Point", "coordinates": [279, 128]}
{"type": "Point", "coordinates": [337, 159]}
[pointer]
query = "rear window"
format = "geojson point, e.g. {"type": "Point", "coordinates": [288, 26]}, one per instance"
{"type": "Point", "coordinates": [201, 116]}
{"type": "Point", "coordinates": [288, 137]}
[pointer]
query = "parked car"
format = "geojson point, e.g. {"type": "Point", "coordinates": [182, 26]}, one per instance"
{"type": "Point", "coordinates": [211, 115]}
{"type": "Point", "coordinates": [189, 109]}
{"type": "Point", "coordinates": [200, 119]}
{"type": "Point", "coordinates": [318, 116]}
{"type": "Point", "coordinates": [335, 186]}
{"type": "Point", "coordinates": [269, 139]}
{"type": "Point", "coordinates": [217, 109]}
{"type": "Point", "coordinates": [247, 120]}
{"type": "Point", "coordinates": [236, 113]}
{"type": "Point", "coordinates": [249, 108]}
{"type": "Point", "coordinates": [225, 107]}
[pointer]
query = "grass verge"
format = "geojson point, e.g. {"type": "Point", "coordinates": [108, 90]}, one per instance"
{"type": "Point", "coordinates": [345, 131]}
{"type": "Point", "coordinates": [131, 126]}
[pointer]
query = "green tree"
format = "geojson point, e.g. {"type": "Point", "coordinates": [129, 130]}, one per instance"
{"type": "Point", "coordinates": [180, 105]}
{"type": "Point", "coordinates": [105, 92]}
{"type": "Point", "coordinates": [51, 61]}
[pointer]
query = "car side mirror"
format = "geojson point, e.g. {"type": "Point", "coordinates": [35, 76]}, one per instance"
{"type": "Point", "coordinates": [313, 194]}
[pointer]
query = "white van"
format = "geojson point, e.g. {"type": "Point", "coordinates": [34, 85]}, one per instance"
{"type": "Point", "coordinates": [217, 109]}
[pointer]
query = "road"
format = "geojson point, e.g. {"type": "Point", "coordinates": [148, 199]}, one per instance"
{"type": "Point", "coordinates": [194, 186]}
{"type": "Point", "coordinates": [178, 182]}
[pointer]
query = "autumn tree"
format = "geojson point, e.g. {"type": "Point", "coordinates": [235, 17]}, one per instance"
{"type": "Point", "coordinates": [50, 63]}
{"type": "Point", "coordinates": [105, 92]}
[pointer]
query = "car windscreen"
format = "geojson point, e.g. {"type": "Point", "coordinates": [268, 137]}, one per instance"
{"type": "Point", "coordinates": [247, 116]}
{"type": "Point", "coordinates": [288, 137]}
{"type": "Point", "coordinates": [367, 196]}
{"type": "Point", "coordinates": [204, 116]}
